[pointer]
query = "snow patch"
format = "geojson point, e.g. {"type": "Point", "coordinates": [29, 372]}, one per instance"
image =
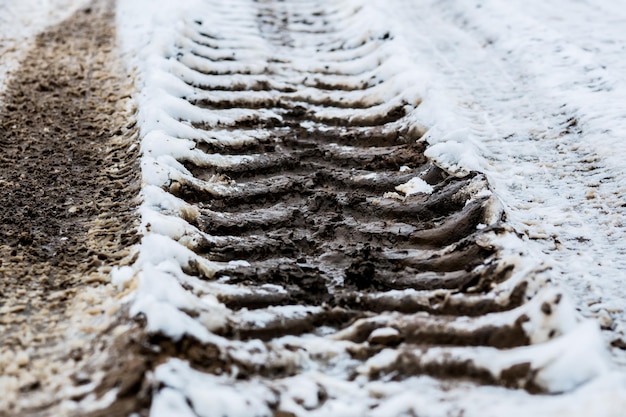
{"type": "Point", "coordinates": [415, 186]}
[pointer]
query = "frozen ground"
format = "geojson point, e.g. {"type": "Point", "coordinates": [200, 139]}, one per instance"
{"type": "Point", "coordinates": [516, 91]}
{"type": "Point", "coordinates": [531, 93]}
{"type": "Point", "coordinates": [537, 89]}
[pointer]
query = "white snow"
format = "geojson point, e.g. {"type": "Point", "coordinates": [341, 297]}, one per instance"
{"type": "Point", "coordinates": [537, 103]}
{"type": "Point", "coordinates": [414, 186]}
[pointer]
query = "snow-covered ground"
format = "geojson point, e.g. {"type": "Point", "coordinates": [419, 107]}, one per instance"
{"type": "Point", "coordinates": [535, 92]}
{"type": "Point", "coordinates": [537, 89]}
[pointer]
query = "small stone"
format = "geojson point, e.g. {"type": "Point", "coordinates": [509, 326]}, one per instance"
{"type": "Point", "coordinates": [604, 319]}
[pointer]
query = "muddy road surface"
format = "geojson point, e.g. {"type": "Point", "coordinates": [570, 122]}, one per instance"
{"type": "Point", "coordinates": [68, 184]}
{"type": "Point", "coordinates": [311, 250]}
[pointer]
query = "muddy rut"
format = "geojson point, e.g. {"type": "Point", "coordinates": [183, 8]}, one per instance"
{"type": "Point", "coordinates": [68, 183]}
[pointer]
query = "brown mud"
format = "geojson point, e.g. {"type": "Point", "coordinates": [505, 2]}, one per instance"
{"type": "Point", "coordinates": [68, 180]}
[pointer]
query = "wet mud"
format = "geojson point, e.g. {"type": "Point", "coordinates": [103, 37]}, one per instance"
{"type": "Point", "coordinates": [68, 180]}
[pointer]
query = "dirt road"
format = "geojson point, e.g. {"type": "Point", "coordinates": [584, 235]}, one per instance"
{"type": "Point", "coordinates": [68, 186]}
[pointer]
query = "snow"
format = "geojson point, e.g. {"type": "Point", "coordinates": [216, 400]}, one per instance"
{"type": "Point", "coordinates": [414, 186]}
{"type": "Point", "coordinates": [346, 398]}
{"type": "Point", "coordinates": [261, 317]}
{"type": "Point", "coordinates": [455, 157]}
{"type": "Point", "coordinates": [384, 332]}
{"type": "Point", "coordinates": [536, 104]}
{"type": "Point", "coordinates": [209, 396]}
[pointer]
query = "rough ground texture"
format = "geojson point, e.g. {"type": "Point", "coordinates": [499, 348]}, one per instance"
{"type": "Point", "coordinates": [68, 176]}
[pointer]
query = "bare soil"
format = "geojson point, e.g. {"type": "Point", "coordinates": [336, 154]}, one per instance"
{"type": "Point", "coordinates": [68, 181]}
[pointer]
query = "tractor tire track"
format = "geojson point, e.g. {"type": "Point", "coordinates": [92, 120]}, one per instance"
{"type": "Point", "coordinates": [68, 180]}
{"type": "Point", "coordinates": [280, 160]}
